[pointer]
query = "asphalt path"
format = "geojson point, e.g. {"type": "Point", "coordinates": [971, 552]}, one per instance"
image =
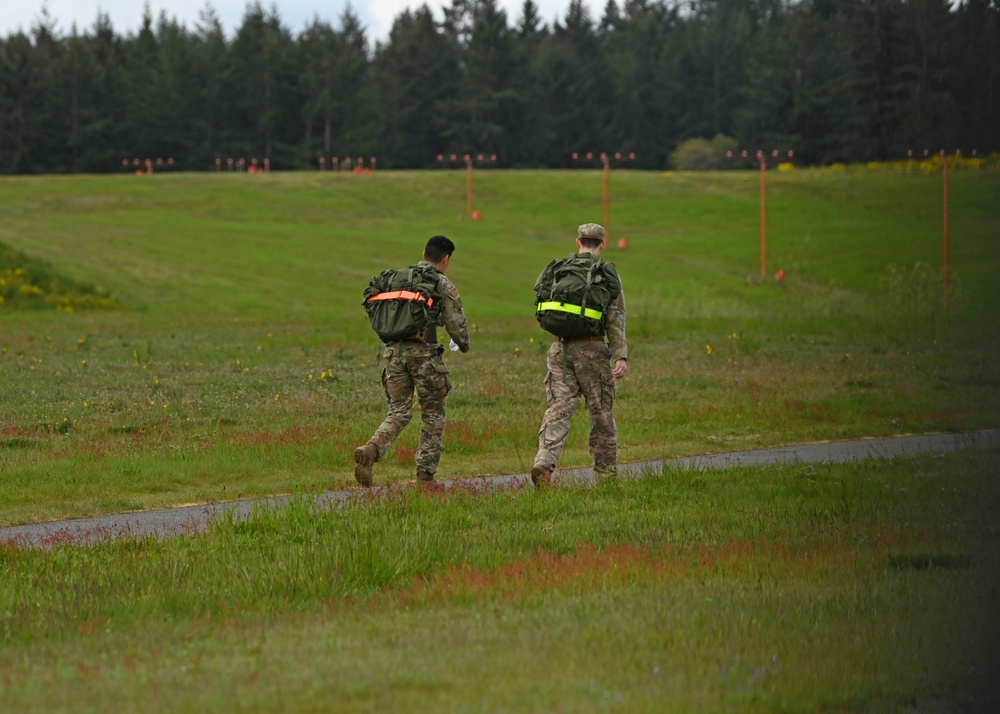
{"type": "Point", "coordinates": [192, 519]}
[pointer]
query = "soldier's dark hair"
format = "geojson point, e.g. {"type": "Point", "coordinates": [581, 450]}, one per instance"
{"type": "Point", "coordinates": [437, 248]}
{"type": "Point", "coordinates": [591, 242]}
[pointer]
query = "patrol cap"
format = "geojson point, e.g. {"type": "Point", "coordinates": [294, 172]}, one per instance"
{"type": "Point", "coordinates": [590, 230]}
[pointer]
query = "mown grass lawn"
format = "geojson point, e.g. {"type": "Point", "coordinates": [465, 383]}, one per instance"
{"type": "Point", "coordinates": [242, 363]}
{"type": "Point", "coordinates": [239, 364]}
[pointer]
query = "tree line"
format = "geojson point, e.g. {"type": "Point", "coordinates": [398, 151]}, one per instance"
{"type": "Point", "coordinates": [833, 80]}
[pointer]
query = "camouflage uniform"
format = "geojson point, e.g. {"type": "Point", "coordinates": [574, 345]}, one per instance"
{"type": "Point", "coordinates": [581, 368]}
{"type": "Point", "coordinates": [414, 364]}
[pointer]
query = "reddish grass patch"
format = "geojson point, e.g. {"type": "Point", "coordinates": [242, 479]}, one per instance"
{"type": "Point", "coordinates": [595, 568]}
{"type": "Point", "coordinates": [404, 455]}
{"type": "Point", "coordinates": [463, 435]}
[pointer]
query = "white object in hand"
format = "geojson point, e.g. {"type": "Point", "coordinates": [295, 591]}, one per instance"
{"type": "Point", "coordinates": [453, 346]}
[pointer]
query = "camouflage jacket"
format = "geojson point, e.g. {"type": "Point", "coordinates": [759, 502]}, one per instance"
{"type": "Point", "coordinates": [615, 327]}
{"type": "Point", "coordinates": [452, 316]}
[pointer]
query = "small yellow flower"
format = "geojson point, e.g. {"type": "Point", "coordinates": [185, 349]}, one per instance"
{"type": "Point", "coordinates": [708, 349]}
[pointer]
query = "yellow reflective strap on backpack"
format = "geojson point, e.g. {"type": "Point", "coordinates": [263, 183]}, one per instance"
{"type": "Point", "coordinates": [574, 309]}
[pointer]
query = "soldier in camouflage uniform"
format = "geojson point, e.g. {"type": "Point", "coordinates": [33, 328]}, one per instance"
{"type": "Point", "coordinates": [416, 363]}
{"type": "Point", "coordinates": [582, 368]}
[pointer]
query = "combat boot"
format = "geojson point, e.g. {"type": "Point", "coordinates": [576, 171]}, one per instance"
{"type": "Point", "coordinates": [426, 481]}
{"type": "Point", "coordinates": [364, 459]}
{"type": "Point", "coordinates": [423, 476]}
{"type": "Point", "coordinates": [606, 474]}
{"type": "Point", "coordinates": [541, 477]}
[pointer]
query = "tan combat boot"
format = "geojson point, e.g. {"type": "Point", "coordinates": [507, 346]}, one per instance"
{"type": "Point", "coordinates": [426, 481]}
{"type": "Point", "coordinates": [364, 459]}
{"type": "Point", "coordinates": [606, 473]}
{"type": "Point", "coordinates": [541, 477]}
{"type": "Point", "coordinates": [423, 476]}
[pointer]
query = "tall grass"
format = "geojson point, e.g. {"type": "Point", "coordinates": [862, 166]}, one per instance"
{"type": "Point", "coordinates": [862, 587]}
{"type": "Point", "coordinates": [242, 364]}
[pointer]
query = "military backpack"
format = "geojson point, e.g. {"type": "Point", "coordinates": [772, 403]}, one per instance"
{"type": "Point", "coordinates": [404, 304]}
{"type": "Point", "coordinates": [572, 295]}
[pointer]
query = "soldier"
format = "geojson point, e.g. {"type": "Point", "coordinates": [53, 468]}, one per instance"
{"type": "Point", "coordinates": [415, 363]}
{"type": "Point", "coordinates": [582, 367]}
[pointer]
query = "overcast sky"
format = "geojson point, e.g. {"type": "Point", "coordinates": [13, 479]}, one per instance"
{"type": "Point", "coordinates": [376, 15]}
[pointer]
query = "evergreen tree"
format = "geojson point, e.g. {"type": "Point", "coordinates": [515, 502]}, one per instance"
{"type": "Point", "coordinates": [835, 80]}
{"type": "Point", "coordinates": [531, 131]}
{"type": "Point", "coordinates": [175, 94]}
{"type": "Point", "coordinates": [264, 109]}
{"type": "Point", "coordinates": [18, 70]}
{"type": "Point", "coordinates": [212, 136]}
{"type": "Point", "coordinates": [415, 72]}
{"type": "Point", "coordinates": [318, 50]}
{"type": "Point", "coordinates": [577, 87]}
{"type": "Point", "coordinates": [143, 123]}
{"type": "Point", "coordinates": [482, 116]}
{"type": "Point", "coordinates": [635, 40]}
{"type": "Point", "coordinates": [973, 55]}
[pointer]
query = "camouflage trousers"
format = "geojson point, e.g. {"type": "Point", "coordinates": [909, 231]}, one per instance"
{"type": "Point", "coordinates": [583, 372]}
{"type": "Point", "coordinates": [413, 366]}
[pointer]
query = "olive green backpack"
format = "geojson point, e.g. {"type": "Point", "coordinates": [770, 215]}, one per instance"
{"type": "Point", "coordinates": [404, 304]}
{"type": "Point", "coordinates": [573, 294]}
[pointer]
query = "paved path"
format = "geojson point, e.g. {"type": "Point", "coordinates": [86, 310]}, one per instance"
{"type": "Point", "coordinates": [191, 519]}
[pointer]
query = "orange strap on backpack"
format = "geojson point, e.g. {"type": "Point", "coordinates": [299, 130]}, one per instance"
{"type": "Point", "coordinates": [403, 295]}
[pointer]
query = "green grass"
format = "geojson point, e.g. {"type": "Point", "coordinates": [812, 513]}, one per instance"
{"type": "Point", "coordinates": [866, 587]}
{"type": "Point", "coordinates": [243, 365]}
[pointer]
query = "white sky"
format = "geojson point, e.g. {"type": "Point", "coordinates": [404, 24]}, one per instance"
{"type": "Point", "coordinates": [375, 15]}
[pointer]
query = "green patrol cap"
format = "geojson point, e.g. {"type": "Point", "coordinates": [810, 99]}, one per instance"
{"type": "Point", "coordinates": [590, 230]}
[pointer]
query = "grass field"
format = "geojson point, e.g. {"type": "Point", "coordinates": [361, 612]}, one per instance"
{"type": "Point", "coordinates": [852, 588]}
{"type": "Point", "coordinates": [243, 365]}
{"type": "Point", "coordinates": [238, 363]}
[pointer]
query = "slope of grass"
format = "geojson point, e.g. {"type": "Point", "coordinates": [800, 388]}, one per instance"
{"type": "Point", "coordinates": [242, 363]}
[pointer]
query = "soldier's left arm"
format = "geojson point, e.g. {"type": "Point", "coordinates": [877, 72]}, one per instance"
{"type": "Point", "coordinates": [616, 329]}
{"type": "Point", "coordinates": [453, 316]}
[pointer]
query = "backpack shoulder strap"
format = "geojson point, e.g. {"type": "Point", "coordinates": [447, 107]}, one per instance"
{"type": "Point", "coordinates": [595, 263]}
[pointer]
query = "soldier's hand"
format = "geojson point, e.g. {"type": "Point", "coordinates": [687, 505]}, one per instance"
{"type": "Point", "coordinates": [621, 369]}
